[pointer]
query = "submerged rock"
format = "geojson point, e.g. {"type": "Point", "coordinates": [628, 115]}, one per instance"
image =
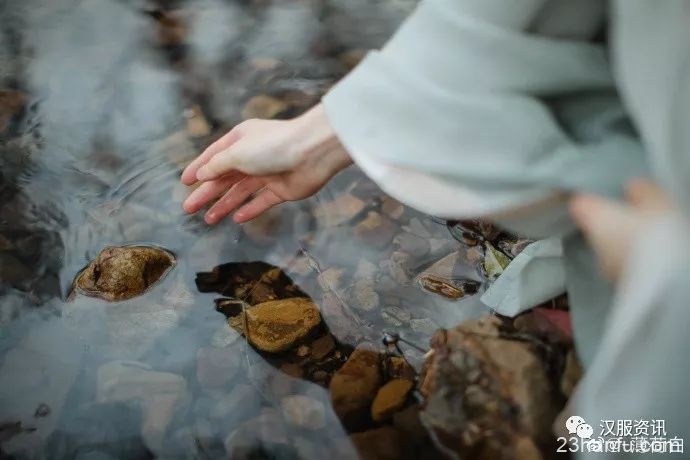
{"type": "Point", "coordinates": [390, 399]}
{"type": "Point", "coordinates": [354, 386]}
{"type": "Point", "coordinates": [120, 273]}
{"type": "Point", "coordinates": [264, 107]}
{"type": "Point", "coordinates": [161, 395]}
{"type": "Point", "coordinates": [278, 325]}
{"type": "Point", "coordinates": [487, 395]}
{"type": "Point", "coordinates": [304, 412]}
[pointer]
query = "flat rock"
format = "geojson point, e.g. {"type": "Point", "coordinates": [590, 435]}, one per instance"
{"type": "Point", "coordinates": [375, 230]}
{"type": "Point", "coordinates": [322, 347]}
{"type": "Point", "coordinates": [390, 399]}
{"type": "Point", "coordinates": [304, 412]}
{"type": "Point", "coordinates": [160, 394]}
{"type": "Point", "coordinates": [354, 386]}
{"type": "Point", "coordinates": [278, 325]}
{"type": "Point", "coordinates": [264, 107]}
{"type": "Point", "coordinates": [363, 296]}
{"type": "Point", "coordinates": [502, 398]}
{"type": "Point", "coordinates": [121, 273]}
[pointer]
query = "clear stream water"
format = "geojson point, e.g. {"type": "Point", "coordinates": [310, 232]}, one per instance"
{"type": "Point", "coordinates": [94, 159]}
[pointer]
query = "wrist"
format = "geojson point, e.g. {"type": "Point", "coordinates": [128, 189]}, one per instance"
{"type": "Point", "coordinates": [318, 143]}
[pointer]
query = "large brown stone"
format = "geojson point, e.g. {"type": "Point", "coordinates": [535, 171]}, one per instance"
{"type": "Point", "coordinates": [278, 325]}
{"type": "Point", "coordinates": [354, 386]}
{"type": "Point", "coordinates": [488, 395]}
{"type": "Point", "coordinates": [390, 398]}
{"type": "Point", "coordinates": [120, 273]}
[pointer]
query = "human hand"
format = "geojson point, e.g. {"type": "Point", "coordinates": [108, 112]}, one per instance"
{"type": "Point", "coordinates": [611, 227]}
{"type": "Point", "coordinates": [272, 161]}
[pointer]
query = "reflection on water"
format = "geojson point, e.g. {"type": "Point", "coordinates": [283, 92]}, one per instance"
{"type": "Point", "coordinates": [102, 103]}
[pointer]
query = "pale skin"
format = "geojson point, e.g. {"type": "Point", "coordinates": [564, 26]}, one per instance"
{"type": "Point", "coordinates": [260, 164]}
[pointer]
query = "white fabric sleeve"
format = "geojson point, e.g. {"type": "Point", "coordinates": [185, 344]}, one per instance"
{"type": "Point", "coordinates": [454, 116]}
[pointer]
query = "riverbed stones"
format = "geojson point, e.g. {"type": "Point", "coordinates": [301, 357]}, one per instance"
{"type": "Point", "coordinates": [264, 107]}
{"type": "Point", "coordinates": [375, 230]}
{"type": "Point", "coordinates": [160, 394]}
{"type": "Point", "coordinates": [390, 398]}
{"type": "Point", "coordinates": [354, 386]}
{"type": "Point", "coordinates": [121, 273]}
{"type": "Point", "coordinates": [486, 393]}
{"type": "Point", "coordinates": [278, 325]}
{"type": "Point", "coordinates": [304, 412]}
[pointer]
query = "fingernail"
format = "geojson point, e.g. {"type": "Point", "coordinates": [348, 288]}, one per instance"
{"type": "Point", "coordinates": [210, 217]}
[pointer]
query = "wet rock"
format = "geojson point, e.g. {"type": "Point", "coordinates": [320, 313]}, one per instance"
{"type": "Point", "coordinates": [293, 370]}
{"type": "Point", "coordinates": [392, 208]}
{"type": "Point", "coordinates": [423, 325]}
{"type": "Point", "coordinates": [416, 227]}
{"type": "Point", "coordinates": [395, 316]}
{"type": "Point", "coordinates": [397, 266]}
{"type": "Point", "coordinates": [375, 230]}
{"type": "Point", "coordinates": [161, 395]}
{"type": "Point", "coordinates": [398, 368]}
{"type": "Point", "coordinates": [253, 282]}
{"type": "Point", "coordinates": [278, 325]}
{"type": "Point", "coordinates": [497, 388]}
{"type": "Point", "coordinates": [513, 247]}
{"type": "Point", "coordinates": [379, 444]}
{"type": "Point", "coordinates": [390, 398]}
{"type": "Point", "coordinates": [302, 351]}
{"type": "Point", "coordinates": [365, 269]}
{"type": "Point", "coordinates": [120, 273]}
{"type": "Point", "coordinates": [264, 107]}
{"type": "Point", "coordinates": [197, 125]}
{"type": "Point", "coordinates": [354, 386]}
{"type": "Point", "coordinates": [363, 296]}
{"type": "Point", "coordinates": [264, 432]}
{"type": "Point", "coordinates": [414, 245]}
{"type": "Point", "coordinates": [266, 228]}
{"type": "Point", "coordinates": [329, 279]}
{"type": "Point", "coordinates": [449, 278]}
{"type": "Point", "coordinates": [304, 412]}
{"type": "Point", "coordinates": [342, 209]}
{"type": "Point", "coordinates": [216, 367]}
{"type": "Point", "coordinates": [12, 103]}
{"type": "Point", "coordinates": [322, 347]}
{"type": "Point", "coordinates": [439, 286]}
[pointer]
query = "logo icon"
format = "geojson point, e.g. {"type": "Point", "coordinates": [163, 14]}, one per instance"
{"type": "Point", "coordinates": [577, 425]}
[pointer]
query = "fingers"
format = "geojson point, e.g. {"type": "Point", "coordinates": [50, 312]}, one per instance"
{"type": "Point", "coordinates": [208, 191]}
{"type": "Point", "coordinates": [263, 201]}
{"type": "Point", "coordinates": [218, 165]}
{"type": "Point", "coordinates": [232, 199]}
{"type": "Point", "coordinates": [190, 172]}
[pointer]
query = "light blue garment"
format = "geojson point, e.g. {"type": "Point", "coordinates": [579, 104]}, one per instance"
{"type": "Point", "coordinates": [510, 104]}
